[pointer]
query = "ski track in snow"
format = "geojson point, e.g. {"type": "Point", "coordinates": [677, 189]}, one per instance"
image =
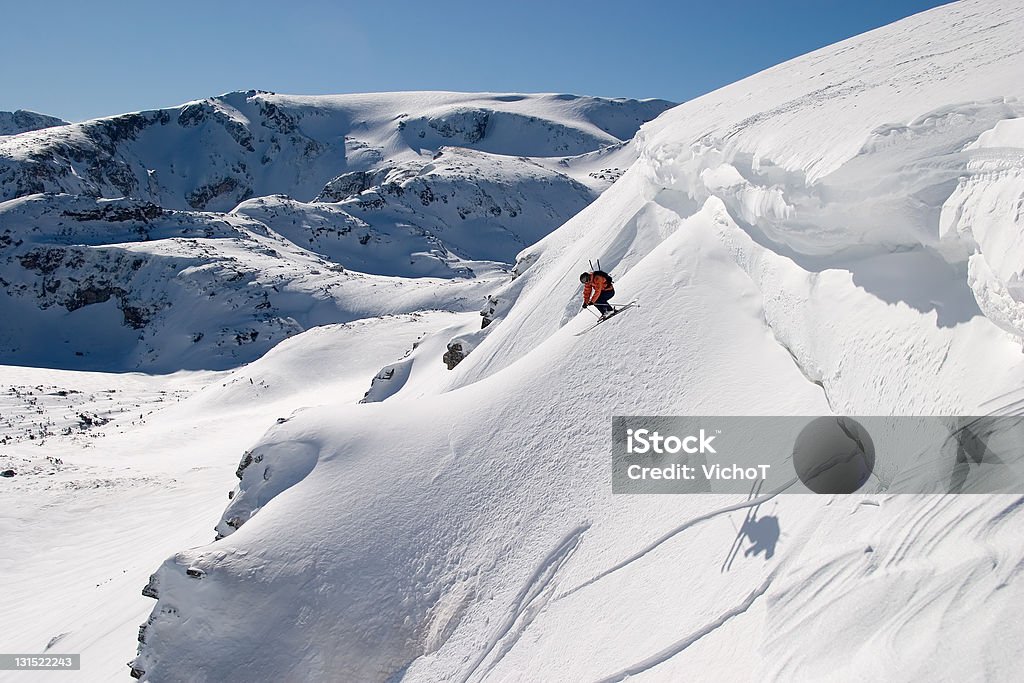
{"type": "Point", "coordinates": [678, 647]}
{"type": "Point", "coordinates": [754, 502]}
{"type": "Point", "coordinates": [531, 600]}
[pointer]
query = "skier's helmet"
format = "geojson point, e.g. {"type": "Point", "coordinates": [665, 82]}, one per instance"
{"type": "Point", "coordinates": [584, 277]}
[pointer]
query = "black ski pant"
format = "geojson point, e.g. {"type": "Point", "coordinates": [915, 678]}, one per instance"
{"type": "Point", "coordinates": [602, 304]}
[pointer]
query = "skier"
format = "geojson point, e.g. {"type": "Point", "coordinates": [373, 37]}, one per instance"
{"type": "Point", "coordinates": [597, 290]}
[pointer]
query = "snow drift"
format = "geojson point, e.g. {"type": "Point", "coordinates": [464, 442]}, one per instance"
{"type": "Point", "coordinates": [836, 234]}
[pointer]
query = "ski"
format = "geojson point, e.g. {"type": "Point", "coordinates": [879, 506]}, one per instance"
{"type": "Point", "coordinates": [618, 309]}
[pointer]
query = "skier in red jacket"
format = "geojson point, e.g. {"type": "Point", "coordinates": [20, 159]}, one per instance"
{"type": "Point", "coordinates": [597, 290]}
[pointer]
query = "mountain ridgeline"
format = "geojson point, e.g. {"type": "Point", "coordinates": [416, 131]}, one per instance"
{"type": "Point", "coordinates": [199, 236]}
{"type": "Point", "coordinates": [22, 121]}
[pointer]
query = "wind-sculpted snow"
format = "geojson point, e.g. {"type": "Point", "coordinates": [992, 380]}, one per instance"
{"type": "Point", "coordinates": [838, 234]}
{"type": "Point", "coordinates": [922, 150]}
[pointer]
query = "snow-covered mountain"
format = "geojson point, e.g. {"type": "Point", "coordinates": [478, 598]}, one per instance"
{"type": "Point", "coordinates": [838, 234]}
{"type": "Point", "coordinates": [202, 235]}
{"type": "Point", "coordinates": [214, 153]}
{"type": "Point", "coordinates": [21, 121]}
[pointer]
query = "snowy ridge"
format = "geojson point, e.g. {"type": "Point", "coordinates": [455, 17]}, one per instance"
{"type": "Point", "coordinates": [263, 143]}
{"type": "Point", "coordinates": [22, 121]}
{"type": "Point", "coordinates": [469, 534]}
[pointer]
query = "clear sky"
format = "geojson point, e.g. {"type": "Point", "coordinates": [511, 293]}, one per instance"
{"type": "Point", "coordinates": [79, 59]}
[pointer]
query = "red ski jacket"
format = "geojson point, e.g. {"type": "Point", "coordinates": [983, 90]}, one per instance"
{"type": "Point", "coordinates": [593, 288]}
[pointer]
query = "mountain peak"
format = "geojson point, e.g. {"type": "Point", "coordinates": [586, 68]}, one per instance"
{"type": "Point", "coordinates": [23, 121]}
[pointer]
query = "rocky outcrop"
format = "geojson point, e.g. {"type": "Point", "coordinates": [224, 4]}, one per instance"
{"type": "Point", "coordinates": [460, 127]}
{"type": "Point", "coordinates": [454, 355]}
{"type": "Point", "coordinates": [348, 185]}
{"type": "Point", "coordinates": [487, 313]}
{"type": "Point", "coordinates": [74, 277]}
{"type": "Point", "coordinates": [230, 188]}
{"type": "Point", "coordinates": [262, 474]}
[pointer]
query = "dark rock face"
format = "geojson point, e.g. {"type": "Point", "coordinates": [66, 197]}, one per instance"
{"type": "Point", "coordinates": [135, 317]}
{"type": "Point", "coordinates": [89, 295]}
{"type": "Point", "coordinates": [454, 355]}
{"type": "Point", "coordinates": [194, 114]}
{"type": "Point", "coordinates": [90, 278]}
{"type": "Point", "coordinates": [470, 126]}
{"type": "Point", "coordinates": [247, 459]}
{"type": "Point", "coordinates": [151, 590]}
{"type": "Point", "coordinates": [348, 185]}
{"type": "Point", "coordinates": [276, 118]}
{"type": "Point", "coordinates": [108, 133]}
{"type": "Point", "coordinates": [42, 261]}
{"type": "Point", "coordinates": [463, 127]}
{"type": "Point", "coordinates": [201, 196]}
{"type": "Point", "coordinates": [488, 311]}
{"type": "Point", "coordinates": [117, 213]}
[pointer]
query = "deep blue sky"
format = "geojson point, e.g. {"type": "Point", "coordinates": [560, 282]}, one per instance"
{"type": "Point", "coordinates": [80, 59]}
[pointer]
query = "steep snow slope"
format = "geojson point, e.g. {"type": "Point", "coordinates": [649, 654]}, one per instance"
{"type": "Point", "coordinates": [472, 535]}
{"type": "Point", "coordinates": [896, 208]}
{"type": "Point", "coordinates": [202, 235]}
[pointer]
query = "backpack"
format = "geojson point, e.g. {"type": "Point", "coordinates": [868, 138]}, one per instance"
{"type": "Point", "coordinates": [603, 274]}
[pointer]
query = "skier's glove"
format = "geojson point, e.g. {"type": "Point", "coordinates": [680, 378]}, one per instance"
{"type": "Point", "coordinates": [584, 306]}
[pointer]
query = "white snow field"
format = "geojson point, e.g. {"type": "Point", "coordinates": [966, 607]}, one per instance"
{"type": "Point", "coordinates": [93, 510]}
{"type": "Point", "coordinates": [840, 234]}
